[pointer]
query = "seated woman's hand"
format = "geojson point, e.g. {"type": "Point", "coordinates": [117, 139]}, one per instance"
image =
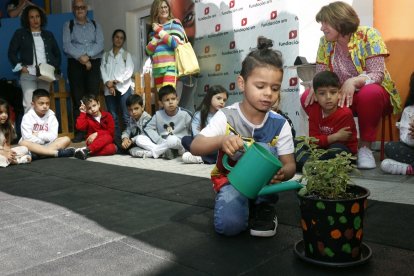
{"type": "Point", "coordinates": [310, 99]}
{"type": "Point", "coordinates": [347, 93]}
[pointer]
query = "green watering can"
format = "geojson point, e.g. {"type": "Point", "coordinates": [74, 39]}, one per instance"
{"type": "Point", "coordinates": [253, 172]}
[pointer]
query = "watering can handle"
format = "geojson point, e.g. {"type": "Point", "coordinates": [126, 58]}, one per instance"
{"type": "Point", "coordinates": [225, 159]}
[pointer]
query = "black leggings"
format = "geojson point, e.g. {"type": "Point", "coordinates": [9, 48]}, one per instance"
{"type": "Point", "coordinates": [400, 151]}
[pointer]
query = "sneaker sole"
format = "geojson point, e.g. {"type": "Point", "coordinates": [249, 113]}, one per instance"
{"type": "Point", "coordinates": [264, 234]}
{"type": "Point", "coordinates": [80, 156]}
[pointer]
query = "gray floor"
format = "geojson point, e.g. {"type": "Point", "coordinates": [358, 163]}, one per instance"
{"type": "Point", "coordinates": [65, 219]}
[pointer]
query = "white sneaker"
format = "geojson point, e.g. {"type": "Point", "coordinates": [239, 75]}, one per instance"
{"type": "Point", "coordinates": [366, 159]}
{"type": "Point", "coordinates": [137, 152]}
{"type": "Point", "coordinates": [393, 167]}
{"type": "Point", "coordinates": [188, 158]}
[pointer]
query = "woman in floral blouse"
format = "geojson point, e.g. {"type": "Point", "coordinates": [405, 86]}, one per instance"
{"type": "Point", "coordinates": [356, 54]}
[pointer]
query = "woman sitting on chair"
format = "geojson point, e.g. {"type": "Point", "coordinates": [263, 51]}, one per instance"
{"type": "Point", "coordinates": [356, 54]}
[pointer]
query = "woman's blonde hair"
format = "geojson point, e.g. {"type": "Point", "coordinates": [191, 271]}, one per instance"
{"type": "Point", "coordinates": [155, 8]}
{"type": "Point", "coordinates": [340, 16]}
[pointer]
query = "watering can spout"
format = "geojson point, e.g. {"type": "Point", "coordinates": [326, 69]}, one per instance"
{"type": "Point", "coordinates": [280, 187]}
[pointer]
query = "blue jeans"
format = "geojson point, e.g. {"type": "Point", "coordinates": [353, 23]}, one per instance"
{"type": "Point", "coordinates": [231, 211]}
{"type": "Point", "coordinates": [117, 103]}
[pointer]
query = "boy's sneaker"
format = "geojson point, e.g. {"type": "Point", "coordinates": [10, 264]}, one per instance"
{"type": "Point", "coordinates": [82, 153]}
{"type": "Point", "coordinates": [141, 153]}
{"type": "Point", "coordinates": [68, 152]}
{"type": "Point", "coordinates": [365, 159]}
{"type": "Point", "coordinates": [188, 158]}
{"type": "Point", "coordinates": [393, 167]}
{"type": "Point", "coordinates": [264, 220]}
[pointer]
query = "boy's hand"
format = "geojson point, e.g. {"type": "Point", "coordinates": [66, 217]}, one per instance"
{"type": "Point", "coordinates": [231, 144]}
{"type": "Point", "coordinates": [82, 107]}
{"type": "Point", "coordinates": [91, 138]}
{"type": "Point", "coordinates": [344, 134]}
{"type": "Point", "coordinates": [278, 177]}
{"type": "Point", "coordinates": [126, 143]}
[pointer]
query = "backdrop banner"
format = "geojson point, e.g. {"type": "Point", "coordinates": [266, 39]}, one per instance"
{"type": "Point", "coordinates": [226, 31]}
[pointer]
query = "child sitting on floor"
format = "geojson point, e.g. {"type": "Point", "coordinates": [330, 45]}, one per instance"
{"type": "Point", "coordinates": [100, 128]}
{"type": "Point", "coordinates": [40, 129]}
{"type": "Point", "coordinates": [137, 120]}
{"type": "Point", "coordinates": [332, 125]}
{"type": "Point", "coordinates": [401, 153]}
{"type": "Point", "coordinates": [164, 131]}
{"type": "Point", "coordinates": [8, 154]}
{"type": "Point", "coordinates": [214, 100]}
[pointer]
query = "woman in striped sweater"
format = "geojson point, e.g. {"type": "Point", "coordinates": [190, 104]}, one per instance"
{"type": "Point", "coordinates": [167, 34]}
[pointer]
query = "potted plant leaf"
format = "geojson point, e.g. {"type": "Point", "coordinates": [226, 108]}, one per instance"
{"type": "Point", "coordinates": [332, 208]}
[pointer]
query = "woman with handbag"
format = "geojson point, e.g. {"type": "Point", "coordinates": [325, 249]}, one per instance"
{"type": "Point", "coordinates": [167, 34]}
{"type": "Point", "coordinates": [30, 46]}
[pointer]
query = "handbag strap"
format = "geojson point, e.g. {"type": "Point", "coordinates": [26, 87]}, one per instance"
{"type": "Point", "coordinates": [34, 50]}
{"type": "Point", "coordinates": [185, 35]}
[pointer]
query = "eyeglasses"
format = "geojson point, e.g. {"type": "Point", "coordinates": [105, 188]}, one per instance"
{"type": "Point", "coordinates": [79, 8]}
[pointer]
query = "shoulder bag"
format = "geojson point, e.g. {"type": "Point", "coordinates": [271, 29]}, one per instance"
{"type": "Point", "coordinates": [186, 59]}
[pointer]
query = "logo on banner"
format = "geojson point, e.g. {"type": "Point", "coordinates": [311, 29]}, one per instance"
{"type": "Point", "coordinates": [207, 49]}
{"type": "Point", "coordinates": [260, 3]}
{"type": "Point", "coordinates": [218, 27]}
{"type": "Point", "coordinates": [206, 87]}
{"type": "Point", "coordinates": [232, 8]}
{"type": "Point", "coordinates": [293, 81]}
{"type": "Point", "coordinates": [207, 15]}
{"type": "Point", "coordinates": [293, 34]}
{"type": "Point", "coordinates": [232, 49]}
{"type": "Point", "coordinates": [218, 67]}
{"type": "Point", "coordinates": [232, 86]}
{"type": "Point", "coordinates": [244, 21]}
{"type": "Point", "coordinates": [293, 85]}
{"type": "Point", "coordinates": [273, 15]}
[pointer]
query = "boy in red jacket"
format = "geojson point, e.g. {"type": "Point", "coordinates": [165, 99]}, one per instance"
{"type": "Point", "coordinates": [332, 125]}
{"type": "Point", "coordinates": [99, 126]}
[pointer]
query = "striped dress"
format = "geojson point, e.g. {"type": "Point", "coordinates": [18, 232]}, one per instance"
{"type": "Point", "coordinates": [161, 47]}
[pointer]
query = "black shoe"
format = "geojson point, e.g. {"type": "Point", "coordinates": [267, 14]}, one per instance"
{"type": "Point", "coordinates": [264, 220]}
{"type": "Point", "coordinates": [82, 153]}
{"type": "Point", "coordinates": [68, 152]}
{"type": "Point", "coordinates": [79, 137]}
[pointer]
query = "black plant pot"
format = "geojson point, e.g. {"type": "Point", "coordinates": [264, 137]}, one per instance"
{"type": "Point", "coordinates": [333, 229]}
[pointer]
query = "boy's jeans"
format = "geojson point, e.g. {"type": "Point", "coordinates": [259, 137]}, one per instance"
{"type": "Point", "coordinates": [231, 211]}
{"type": "Point", "coordinates": [116, 103]}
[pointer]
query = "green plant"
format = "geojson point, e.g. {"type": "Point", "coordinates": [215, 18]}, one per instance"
{"type": "Point", "coordinates": [327, 179]}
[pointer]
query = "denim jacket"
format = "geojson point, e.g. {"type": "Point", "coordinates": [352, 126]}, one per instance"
{"type": "Point", "coordinates": [21, 48]}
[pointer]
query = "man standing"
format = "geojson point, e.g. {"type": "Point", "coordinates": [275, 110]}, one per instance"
{"type": "Point", "coordinates": [83, 43]}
